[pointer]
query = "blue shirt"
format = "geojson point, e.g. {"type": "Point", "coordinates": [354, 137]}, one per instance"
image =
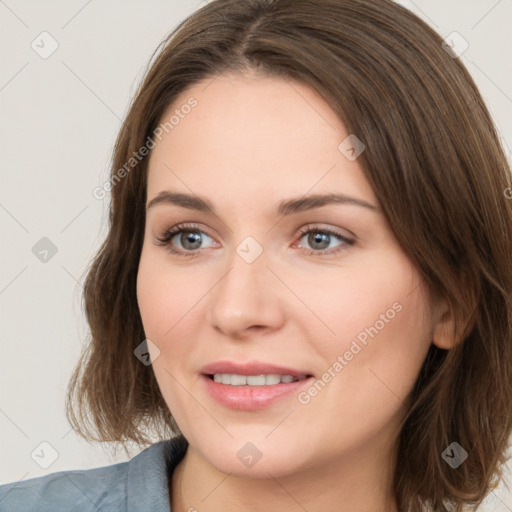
{"type": "Point", "coordinates": [137, 485]}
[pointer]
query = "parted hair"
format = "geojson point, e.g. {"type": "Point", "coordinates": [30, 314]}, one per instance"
{"type": "Point", "coordinates": [434, 159]}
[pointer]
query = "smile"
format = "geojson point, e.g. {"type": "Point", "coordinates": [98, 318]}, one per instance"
{"type": "Point", "coordinates": [232, 379]}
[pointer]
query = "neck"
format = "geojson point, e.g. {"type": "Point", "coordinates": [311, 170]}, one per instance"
{"type": "Point", "coordinates": [360, 482]}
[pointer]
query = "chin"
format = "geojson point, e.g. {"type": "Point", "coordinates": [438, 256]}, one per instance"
{"type": "Point", "coordinates": [253, 453]}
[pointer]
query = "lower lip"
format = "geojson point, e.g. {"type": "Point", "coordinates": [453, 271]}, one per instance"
{"type": "Point", "coordinates": [250, 398]}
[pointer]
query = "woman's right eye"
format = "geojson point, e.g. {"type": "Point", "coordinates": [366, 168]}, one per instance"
{"type": "Point", "coordinates": [188, 237]}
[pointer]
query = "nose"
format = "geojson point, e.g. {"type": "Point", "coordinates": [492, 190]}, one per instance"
{"type": "Point", "coordinates": [248, 299]}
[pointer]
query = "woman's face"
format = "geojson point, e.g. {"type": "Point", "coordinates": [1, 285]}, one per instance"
{"type": "Point", "coordinates": [265, 280]}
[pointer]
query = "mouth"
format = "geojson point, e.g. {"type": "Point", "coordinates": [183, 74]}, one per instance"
{"type": "Point", "coordinates": [270, 379]}
{"type": "Point", "coordinates": [252, 386]}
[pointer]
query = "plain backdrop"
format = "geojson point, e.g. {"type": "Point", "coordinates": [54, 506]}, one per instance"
{"type": "Point", "coordinates": [59, 117]}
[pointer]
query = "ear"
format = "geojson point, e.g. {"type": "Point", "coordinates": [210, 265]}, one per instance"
{"type": "Point", "coordinates": [443, 329]}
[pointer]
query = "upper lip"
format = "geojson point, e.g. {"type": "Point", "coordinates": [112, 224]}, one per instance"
{"type": "Point", "coordinates": [251, 368]}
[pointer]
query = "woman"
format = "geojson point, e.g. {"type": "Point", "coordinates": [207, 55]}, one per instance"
{"type": "Point", "coordinates": [368, 372]}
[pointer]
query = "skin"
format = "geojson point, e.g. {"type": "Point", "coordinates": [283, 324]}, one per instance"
{"type": "Point", "coordinates": [251, 142]}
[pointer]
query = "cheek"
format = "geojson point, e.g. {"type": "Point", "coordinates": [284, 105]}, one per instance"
{"type": "Point", "coordinates": [152, 303]}
{"type": "Point", "coordinates": [380, 330]}
{"type": "Point", "coordinates": [371, 365]}
{"type": "Point", "coordinates": [382, 360]}
{"type": "Point", "coordinates": [171, 301]}
{"type": "Point", "coordinates": [164, 297]}
{"type": "Point", "coordinates": [357, 301]}
{"type": "Point", "coordinates": [164, 317]}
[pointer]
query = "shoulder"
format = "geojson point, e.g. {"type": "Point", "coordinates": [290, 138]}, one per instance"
{"type": "Point", "coordinates": [137, 484]}
{"type": "Point", "coordinates": [83, 490]}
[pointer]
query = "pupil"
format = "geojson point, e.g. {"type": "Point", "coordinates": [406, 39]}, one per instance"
{"type": "Point", "coordinates": [192, 237]}
{"type": "Point", "coordinates": [317, 238]}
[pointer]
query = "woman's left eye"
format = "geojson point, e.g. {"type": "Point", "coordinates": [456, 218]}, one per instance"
{"type": "Point", "coordinates": [320, 239]}
{"type": "Point", "coordinates": [190, 239]}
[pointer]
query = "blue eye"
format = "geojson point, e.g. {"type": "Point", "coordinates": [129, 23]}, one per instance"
{"type": "Point", "coordinates": [190, 238]}
{"type": "Point", "coordinates": [320, 240]}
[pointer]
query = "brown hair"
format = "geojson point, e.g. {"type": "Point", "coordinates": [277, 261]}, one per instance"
{"type": "Point", "coordinates": [434, 159]}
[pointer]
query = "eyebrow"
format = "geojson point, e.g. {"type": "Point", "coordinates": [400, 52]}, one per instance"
{"type": "Point", "coordinates": [288, 207]}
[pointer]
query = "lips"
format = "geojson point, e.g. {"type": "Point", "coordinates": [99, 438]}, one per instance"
{"type": "Point", "coordinates": [251, 386]}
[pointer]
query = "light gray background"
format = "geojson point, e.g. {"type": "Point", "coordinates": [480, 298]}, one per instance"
{"type": "Point", "coordinates": [59, 118]}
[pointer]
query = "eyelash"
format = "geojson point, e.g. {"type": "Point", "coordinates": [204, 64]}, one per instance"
{"type": "Point", "coordinates": [165, 238]}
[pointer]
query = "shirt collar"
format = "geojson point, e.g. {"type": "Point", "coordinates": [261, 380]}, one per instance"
{"type": "Point", "coordinates": [148, 475]}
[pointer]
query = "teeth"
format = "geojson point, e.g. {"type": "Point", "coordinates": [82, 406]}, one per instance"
{"type": "Point", "coordinates": [237, 380]}
{"type": "Point", "coordinates": [252, 380]}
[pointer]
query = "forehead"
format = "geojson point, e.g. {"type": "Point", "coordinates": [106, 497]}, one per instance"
{"type": "Point", "coordinates": [252, 133]}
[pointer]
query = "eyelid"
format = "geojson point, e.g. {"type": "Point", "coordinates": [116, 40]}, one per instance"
{"type": "Point", "coordinates": [323, 228]}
